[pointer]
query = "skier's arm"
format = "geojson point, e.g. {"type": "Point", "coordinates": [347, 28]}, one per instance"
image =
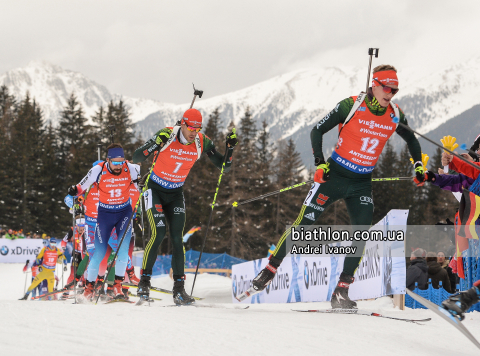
{"type": "Point", "coordinates": [40, 256]}
{"type": "Point", "coordinates": [89, 179]}
{"type": "Point", "coordinates": [333, 118]}
{"type": "Point", "coordinates": [409, 137]}
{"type": "Point", "coordinates": [68, 236]}
{"type": "Point", "coordinates": [216, 157]}
{"type": "Point", "coordinates": [134, 173]}
{"type": "Point", "coordinates": [153, 144]}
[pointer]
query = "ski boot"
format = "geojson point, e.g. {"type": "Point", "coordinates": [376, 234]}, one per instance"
{"type": "Point", "coordinates": [340, 297]}
{"type": "Point", "coordinates": [180, 297]}
{"type": "Point", "coordinates": [117, 288]}
{"type": "Point", "coordinates": [98, 286]}
{"type": "Point", "coordinates": [131, 276]}
{"type": "Point", "coordinates": [72, 284]}
{"type": "Point", "coordinates": [125, 292]}
{"type": "Point", "coordinates": [263, 279]}
{"type": "Point", "coordinates": [110, 291]}
{"type": "Point", "coordinates": [459, 303]}
{"type": "Point", "coordinates": [144, 287]}
{"type": "Point", "coordinates": [25, 297]}
{"type": "Point", "coordinates": [89, 291]}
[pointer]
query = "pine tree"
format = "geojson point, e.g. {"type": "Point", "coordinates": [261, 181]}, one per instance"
{"type": "Point", "coordinates": [116, 117]}
{"type": "Point", "coordinates": [77, 150]}
{"type": "Point", "coordinates": [382, 191]}
{"type": "Point", "coordinates": [27, 136]}
{"type": "Point", "coordinates": [7, 117]}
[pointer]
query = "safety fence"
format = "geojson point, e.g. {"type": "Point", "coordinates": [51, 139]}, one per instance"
{"type": "Point", "coordinates": [436, 296]}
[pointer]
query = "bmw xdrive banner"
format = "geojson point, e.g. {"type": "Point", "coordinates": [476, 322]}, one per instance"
{"type": "Point", "coordinates": [310, 278]}
{"type": "Point", "coordinates": [19, 250]}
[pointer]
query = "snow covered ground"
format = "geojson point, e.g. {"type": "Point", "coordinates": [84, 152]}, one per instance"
{"type": "Point", "coordinates": [61, 328]}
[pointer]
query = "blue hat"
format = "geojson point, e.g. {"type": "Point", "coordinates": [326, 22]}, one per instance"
{"type": "Point", "coordinates": [116, 152]}
{"type": "Point", "coordinates": [53, 240]}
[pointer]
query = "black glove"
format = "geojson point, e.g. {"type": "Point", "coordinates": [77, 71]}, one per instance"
{"type": "Point", "coordinates": [65, 268]}
{"type": "Point", "coordinates": [162, 138]}
{"type": "Point", "coordinates": [72, 190]}
{"type": "Point", "coordinates": [141, 181]}
{"type": "Point", "coordinates": [419, 174]}
{"type": "Point", "coordinates": [232, 140]}
{"type": "Point", "coordinates": [40, 268]}
{"type": "Point", "coordinates": [430, 176]}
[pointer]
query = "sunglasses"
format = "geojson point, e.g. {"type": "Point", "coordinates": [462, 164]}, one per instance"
{"type": "Point", "coordinates": [117, 163]}
{"type": "Point", "coordinates": [388, 89]}
{"type": "Point", "coordinates": [193, 129]}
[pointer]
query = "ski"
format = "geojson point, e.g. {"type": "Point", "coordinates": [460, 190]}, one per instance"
{"type": "Point", "coordinates": [136, 296]}
{"type": "Point", "coordinates": [440, 311]}
{"type": "Point", "coordinates": [248, 293]}
{"type": "Point", "coordinates": [159, 290]}
{"type": "Point", "coordinates": [143, 300]}
{"type": "Point", "coordinates": [357, 312]}
{"type": "Point", "coordinates": [55, 292]}
{"type": "Point", "coordinates": [119, 301]}
{"type": "Point", "coordinates": [214, 306]}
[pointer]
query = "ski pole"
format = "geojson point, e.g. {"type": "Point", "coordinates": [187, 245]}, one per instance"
{"type": "Point", "coordinates": [210, 217]}
{"type": "Point", "coordinates": [397, 121]}
{"type": "Point", "coordinates": [73, 252]}
{"type": "Point", "coordinates": [370, 53]}
{"type": "Point", "coordinates": [235, 204]}
{"type": "Point", "coordinates": [196, 92]}
{"type": "Point", "coordinates": [143, 227]}
{"type": "Point", "coordinates": [26, 276]}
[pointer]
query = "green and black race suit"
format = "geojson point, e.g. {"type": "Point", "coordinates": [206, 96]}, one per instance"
{"type": "Point", "coordinates": [167, 206]}
{"type": "Point", "coordinates": [354, 188]}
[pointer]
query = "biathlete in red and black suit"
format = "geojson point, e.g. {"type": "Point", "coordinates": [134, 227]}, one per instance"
{"type": "Point", "coordinates": [365, 124]}
{"type": "Point", "coordinates": [179, 148]}
{"type": "Point", "coordinates": [114, 179]}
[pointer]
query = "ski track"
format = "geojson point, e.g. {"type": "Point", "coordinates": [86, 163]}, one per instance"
{"type": "Point", "coordinates": [60, 327]}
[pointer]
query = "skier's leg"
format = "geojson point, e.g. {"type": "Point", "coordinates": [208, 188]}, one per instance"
{"type": "Point", "coordinates": [175, 214]}
{"type": "Point", "coordinates": [123, 227]}
{"type": "Point", "coordinates": [105, 223]}
{"type": "Point", "coordinates": [156, 219]}
{"type": "Point", "coordinates": [319, 198]}
{"type": "Point", "coordinates": [360, 209]}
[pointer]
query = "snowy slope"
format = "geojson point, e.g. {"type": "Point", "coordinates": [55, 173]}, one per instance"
{"type": "Point", "coordinates": [59, 327]}
{"type": "Point", "coordinates": [51, 86]}
{"type": "Point", "coordinates": [290, 103]}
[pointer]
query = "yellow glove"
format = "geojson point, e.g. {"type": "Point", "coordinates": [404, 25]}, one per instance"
{"type": "Point", "coordinates": [449, 142]}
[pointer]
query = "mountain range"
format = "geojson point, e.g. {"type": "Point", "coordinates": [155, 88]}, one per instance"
{"type": "Point", "coordinates": [436, 104]}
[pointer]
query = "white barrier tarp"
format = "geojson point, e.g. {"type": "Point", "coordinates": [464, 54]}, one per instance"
{"type": "Point", "coordinates": [19, 250]}
{"type": "Point", "coordinates": [306, 278]}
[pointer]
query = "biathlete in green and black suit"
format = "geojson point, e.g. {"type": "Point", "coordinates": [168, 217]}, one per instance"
{"type": "Point", "coordinates": [179, 148]}
{"type": "Point", "coordinates": [365, 124]}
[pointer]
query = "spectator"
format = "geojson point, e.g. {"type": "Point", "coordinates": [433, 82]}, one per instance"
{"type": "Point", "coordinates": [418, 270]}
{"type": "Point", "coordinates": [437, 273]}
{"type": "Point", "coordinates": [10, 235]}
{"type": "Point", "coordinates": [451, 276]}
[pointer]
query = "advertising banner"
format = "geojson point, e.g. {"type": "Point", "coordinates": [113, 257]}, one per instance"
{"type": "Point", "coordinates": [19, 250]}
{"type": "Point", "coordinates": [307, 278]}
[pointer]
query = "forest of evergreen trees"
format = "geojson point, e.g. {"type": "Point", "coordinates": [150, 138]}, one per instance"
{"type": "Point", "coordinates": [40, 161]}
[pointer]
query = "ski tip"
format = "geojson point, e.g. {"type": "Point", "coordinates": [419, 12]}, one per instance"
{"type": "Point", "coordinates": [463, 146]}
{"type": "Point", "coordinates": [395, 120]}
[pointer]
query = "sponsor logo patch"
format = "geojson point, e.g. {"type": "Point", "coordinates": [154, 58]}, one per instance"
{"type": "Point", "coordinates": [159, 208]}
